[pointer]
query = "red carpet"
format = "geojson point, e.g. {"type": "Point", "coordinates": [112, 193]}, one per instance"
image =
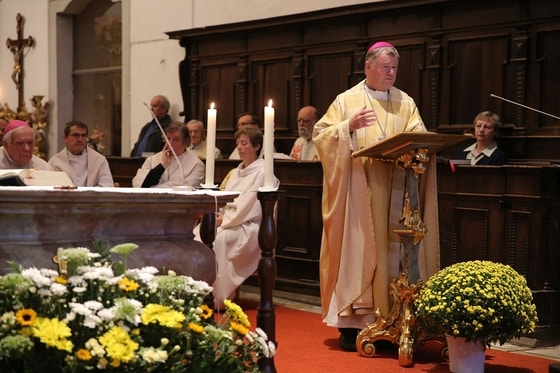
{"type": "Point", "coordinates": [305, 344]}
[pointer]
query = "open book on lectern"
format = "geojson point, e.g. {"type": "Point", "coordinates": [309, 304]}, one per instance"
{"type": "Point", "coordinates": [393, 147]}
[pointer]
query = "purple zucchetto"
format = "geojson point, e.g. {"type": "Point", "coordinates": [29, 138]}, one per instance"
{"type": "Point", "coordinates": [379, 44]}
{"type": "Point", "coordinates": [15, 124]}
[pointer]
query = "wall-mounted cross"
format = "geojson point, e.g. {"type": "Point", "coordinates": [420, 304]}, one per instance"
{"type": "Point", "coordinates": [17, 47]}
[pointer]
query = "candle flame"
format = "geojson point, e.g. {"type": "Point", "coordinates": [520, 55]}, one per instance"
{"type": "Point", "coordinates": [212, 105]}
{"type": "Point", "coordinates": [269, 103]}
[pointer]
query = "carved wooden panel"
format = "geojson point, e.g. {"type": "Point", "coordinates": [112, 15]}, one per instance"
{"type": "Point", "coordinates": [324, 83]}
{"type": "Point", "coordinates": [300, 276]}
{"type": "Point", "coordinates": [470, 235]}
{"type": "Point", "coordinates": [410, 77]}
{"type": "Point", "coordinates": [270, 81]}
{"type": "Point", "coordinates": [475, 65]}
{"type": "Point", "coordinates": [218, 85]}
{"type": "Point", "coordinates": [518, 237]}
{"type": "Point", "coordinates": [546, 97]}
{"type": "Point", "coordinates": [298, 227]}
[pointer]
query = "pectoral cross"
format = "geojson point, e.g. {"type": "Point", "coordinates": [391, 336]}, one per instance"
{"type": "Point", "coordinates": [17, 48]}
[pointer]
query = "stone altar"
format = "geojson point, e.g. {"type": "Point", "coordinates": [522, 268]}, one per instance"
{"type": "Point", "coordinates": [36, 221]}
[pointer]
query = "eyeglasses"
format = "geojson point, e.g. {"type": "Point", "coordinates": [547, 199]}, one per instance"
{"type": "Point", "coordinates": [78, 135]}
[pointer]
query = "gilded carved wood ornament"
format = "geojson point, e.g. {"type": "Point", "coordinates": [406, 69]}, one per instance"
{"type": "Point", "coordinates": [38, 118]}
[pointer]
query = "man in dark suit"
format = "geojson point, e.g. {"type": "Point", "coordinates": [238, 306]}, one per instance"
{"type": "Point", "coordinates": [150, 139]}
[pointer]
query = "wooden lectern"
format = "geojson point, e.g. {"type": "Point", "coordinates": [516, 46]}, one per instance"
{"type": "Point", "coordinates": [410, 151]}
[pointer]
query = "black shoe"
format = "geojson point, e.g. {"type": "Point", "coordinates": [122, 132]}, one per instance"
{"type": "Point", "coordinates": [348, 338]}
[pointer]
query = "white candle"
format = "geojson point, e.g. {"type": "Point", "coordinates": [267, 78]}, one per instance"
{"type": "Point", "coordinates": [210, 146]}
{"type": "Point", "coordinates": [269, 146]}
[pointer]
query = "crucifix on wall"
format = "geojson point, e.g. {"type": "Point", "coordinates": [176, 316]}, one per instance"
{"type": "Point", "coordinates": [17, 47]}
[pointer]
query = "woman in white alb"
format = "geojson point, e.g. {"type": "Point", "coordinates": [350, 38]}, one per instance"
{"type": "Point", "coordinates": [236, 244]}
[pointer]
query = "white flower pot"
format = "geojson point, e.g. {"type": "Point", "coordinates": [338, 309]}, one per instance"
{"type": "Point", "coordinates": [465, 357]}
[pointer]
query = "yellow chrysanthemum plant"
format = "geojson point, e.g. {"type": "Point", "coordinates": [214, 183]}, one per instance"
{"type": "Point", "coordinates": [481, 301]}
{"type": "Point", "coordinates": [96, 315]}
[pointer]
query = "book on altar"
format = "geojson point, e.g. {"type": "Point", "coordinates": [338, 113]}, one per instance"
{"type": "Point", "coordinates": [33, 177]}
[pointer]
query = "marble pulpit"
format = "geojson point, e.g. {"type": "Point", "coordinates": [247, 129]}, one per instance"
{"type": "Point", "coordinates": [36, 221]}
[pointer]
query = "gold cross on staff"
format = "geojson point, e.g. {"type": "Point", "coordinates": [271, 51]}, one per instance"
{"type": "Point", "coordinates": [17, 47]}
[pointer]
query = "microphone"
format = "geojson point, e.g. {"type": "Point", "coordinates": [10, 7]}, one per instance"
{"type": "Point", "coordinates": [183, 186]}
{"type": "Point", "coordinates": [526, 107]}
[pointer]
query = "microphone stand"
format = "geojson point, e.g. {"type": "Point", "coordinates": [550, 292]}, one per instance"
{"type": "Point", "coordinates": [526, 107]}
{"type": "Point", "coordinates": [170, 148]}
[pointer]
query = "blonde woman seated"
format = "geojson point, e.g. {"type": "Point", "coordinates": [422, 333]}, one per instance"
{"type": "Point", "coordinates": [236, 244]}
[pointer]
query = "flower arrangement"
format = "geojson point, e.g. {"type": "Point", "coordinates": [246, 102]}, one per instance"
{"type": "Point", "coordinates": [481, 301]}
{"type": "Point", "coordinates": [96, 315]}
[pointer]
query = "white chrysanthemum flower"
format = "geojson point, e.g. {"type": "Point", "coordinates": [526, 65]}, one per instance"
{"type": "Point", "coordinates": [75, 280]}
{"type": "Point", "coordinates": [92, 321]}
{"type": "Point", "coordinates": [114, 280]}
{"type": "Point", "coordinates": [70, 316]}
{"type": "Point", "coordinates": [198, 287]}
{"type": "Point", "coordinates": [58, 289]}
{"type": "Point", "coordinates": [45, 293]}
{"type": "Point", "coordinates": [93, 305]}
{"type": "Point", "coordinates": [250, 336]}
{"type": "Point", "coordinates": [95, 347]}
{"type": "Point", "coordinates": [79, 308]}
{"type": "Point", "coordinates": [97, 273]}
{"type": "Point", "coordinates": [264, 346]}
{"type": "Point", "coordinates": [144, 274]}
{"type": "Point", "coordinates": [47, 272]}
{"type": "Point", "coordinates": [37, 277]}
{"type": "Point", "coordinates": [107, 314]}
{"type": "Point", "coordinates": [7, 320]}
{"type": "Point", "coordinates": [153, 355]}
{"type": "Point", "coordinates": [271, 348]}
{"type": "Point", "coordinates": [79, 289]}
{"type": "Point", "coordinates": [152, 286]}
{"type": "Point", "coordinates": [261, 333]}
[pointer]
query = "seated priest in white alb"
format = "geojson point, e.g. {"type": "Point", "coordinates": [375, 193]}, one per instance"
{"type": "Point", "coordinates": [304, 149]}
{"type": "Point", "coordinates": [197, 134]}
{"type": "Point", "coordinates": [236, 245]}
{"type": "Point", "coordinates": [161, 170]}
{"type": "Point", "coordinates": [17, 152]}
{"type": "Point", "coordinates": [85, 166]}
